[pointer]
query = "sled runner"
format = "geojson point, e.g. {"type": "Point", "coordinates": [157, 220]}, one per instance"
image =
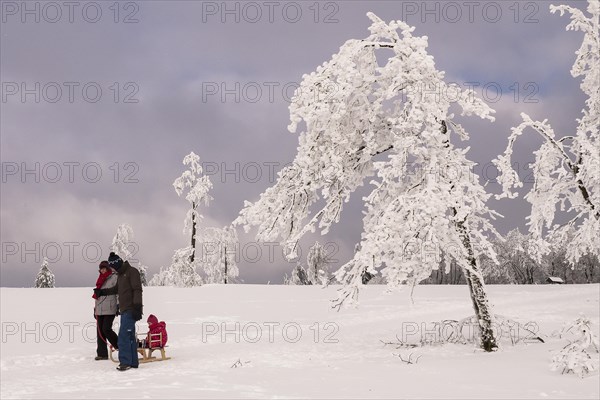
{"type": "Point", "coordinates": [145, 352]}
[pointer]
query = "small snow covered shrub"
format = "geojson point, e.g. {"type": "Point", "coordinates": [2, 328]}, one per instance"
{"type": "Point", "coordinates": [580, 356]}
{"type": "Point", "coordinates": [45, 278]}
{"type": "Point", "coordinates": [299, 277]}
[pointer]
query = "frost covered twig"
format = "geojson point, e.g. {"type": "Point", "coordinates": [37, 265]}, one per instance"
{"type": "Point", "coordinates": [409, 360]}
{"type": "Point", "coordinates": [239, 363]}
{"type": "Point", "coordinates": [400, 344]}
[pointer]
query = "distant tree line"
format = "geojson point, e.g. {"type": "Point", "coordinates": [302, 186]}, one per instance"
{"type": "Point", "coordinates": [518, 265]}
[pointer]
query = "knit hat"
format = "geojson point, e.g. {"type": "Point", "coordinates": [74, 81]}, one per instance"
{"type": "Point", "coordinates": [104, 264]}
{"type": "Point", "coordinates": [115, 261]}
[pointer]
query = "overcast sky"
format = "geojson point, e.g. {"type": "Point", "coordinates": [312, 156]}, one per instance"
{"type": "Point", "coordinates": [101, 103]}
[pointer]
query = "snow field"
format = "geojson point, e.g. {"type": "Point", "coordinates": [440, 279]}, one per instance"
{"type": "Point", "coordinates": [338, 354]}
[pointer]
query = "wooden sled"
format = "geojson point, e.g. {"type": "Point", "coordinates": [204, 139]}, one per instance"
{"type": "Point", "coordinates": [145, 354]}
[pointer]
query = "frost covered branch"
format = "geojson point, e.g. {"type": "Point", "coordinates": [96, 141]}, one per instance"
{"type": "Point", "coordinates": [566, 180]}
{"type": "Point", "coordinates": [579, 356]}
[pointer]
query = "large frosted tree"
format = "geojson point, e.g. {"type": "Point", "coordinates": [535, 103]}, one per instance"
{"type": "Point", "coordinates": [387, 124]}
{"type": "Point", "coordinates": [45, 277]}
{"type": "Point", "coordinates": [565, 196]}
{"type": "Point", "coordinates": [195, 186]}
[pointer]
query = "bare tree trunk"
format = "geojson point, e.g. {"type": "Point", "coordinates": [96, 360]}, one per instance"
{"type": "Point", "coordinates": [456, 274]}
{"type": "Point", "coordinates": [481, 307]}
{"type": "Point", "coordinates": [478, 294]}
{"type": "Point", "coordinates": [193, 254]}
{"type": "Point", "coordinates": [225, 258]}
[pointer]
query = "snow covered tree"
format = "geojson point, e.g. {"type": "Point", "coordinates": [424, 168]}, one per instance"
{"type": "Point", "coordinates": [556, 263]}
{"type": "Point", "coordinates": [45, 277]}
{"type": "Point", "coordinates": [366, 275]}
{"type": "Point", "coordinates": [143, 273]}
{"type": "Point", "coordinates": [162, 278]}
{"type": "Point", "coordinates": [519, 265]}
{"type": "Point", "coordinates": [219, 249]}
{"type": "Point", "coordinates": [299, 277]}
{"type": "Point", "coordinates": [452, 274]}
{"type": "Point", "coordinates": [354, 112]}
{"type": "Point", "coordinates": [565, 197]}
{"type": "Point", "coordinates": [181, 273]}
{"type": "Point", "coordinates": [516, 264]}
{"type": "Point", "coordinates": [196, 187]}
{"type": "Point", "coordinates": [590, 268]}
{"type": "Point", "coordinates": [317, 265]}
{"type": "Point", "coordinates": [121, 241]}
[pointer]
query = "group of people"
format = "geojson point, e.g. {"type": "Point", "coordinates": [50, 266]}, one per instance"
{"type": "Point", "coordinates": [118, 291]}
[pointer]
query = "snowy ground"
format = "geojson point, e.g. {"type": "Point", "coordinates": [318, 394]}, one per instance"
{"type": "Point", "coordinates": [46, 352]}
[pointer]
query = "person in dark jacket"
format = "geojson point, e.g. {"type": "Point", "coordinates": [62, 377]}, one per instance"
{"type": "Point", "coordinates": [129, 289]}
{"type": "Point", "coordinates": [105, 310]}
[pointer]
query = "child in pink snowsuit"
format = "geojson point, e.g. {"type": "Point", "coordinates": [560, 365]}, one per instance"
{"type": "Point", "coordinates": [157, 333]}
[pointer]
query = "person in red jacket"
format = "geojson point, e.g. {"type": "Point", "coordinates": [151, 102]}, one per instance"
{"type": "Point", "coordinates": [157, 333]}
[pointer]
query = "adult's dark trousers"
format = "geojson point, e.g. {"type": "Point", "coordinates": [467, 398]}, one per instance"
{"type": "Point", "coordinates": [128, 354]}
{"type": "Point", "coordinates": [104, 334]}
